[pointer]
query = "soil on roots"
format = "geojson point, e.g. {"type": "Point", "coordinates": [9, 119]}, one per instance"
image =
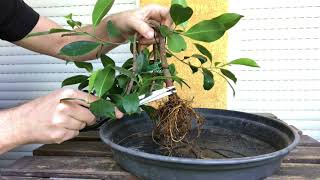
{"type": "Point", "coordinates": [173, 129]}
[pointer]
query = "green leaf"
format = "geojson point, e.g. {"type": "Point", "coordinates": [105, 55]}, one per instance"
{"type": "Point", "coordinates": [208, 81]}
{"type": "Point", "coordinates": [172, 69]}
{"type": "Point", "coordinates": [165, 31]}
{"type": "Point", "coordinates": [125, 72]}
{"type": "Point", "coordinates": [176, 43]}
{"type": "Point", "coordinates": [193, 68]}
{"type": "Point", "coordinates": [142, 62]}
{"type": "Point", "coordinates": [84, 65]}
{"type": "Point", "coordinates": [69, 16]}
{"type": "Point", "coordinates": [180, 14]}
{"type": "Point", "coordinates": [106, 61]}
{"type": "Point", "coordinates": [201, 58]}
{"type": "Point", "coordinates": [92, 79]}
{"type": "Point", "coordinates": [180, 2]}
{"type": "Point", "coordinates": [112, 30]}
{"type": "Point", "coordinates": [104, 80]}
{"type": "Point", "coordinates": [244, 62]}
{"type": "Point", "coordinates": [117, 100]}
{"type": "Point", "coordinates": [83, 85]}
{"type": "Point", "coordinates": [101, 8]}
{"type": "Point", "coordinates": [180, 81]}
{"type": "Point", "coordinates": [128, 64]}
{"type": "Point", "coordinates": [154, 68]}
{"type": "Point", "coordinates": [228, 19]}
{"type": "Point", "coordinates": [203, 50]}
{"type": "Point", "coordinates": [103, 108]}
{"type": "Point", "coordinates": [79, 48]}
{"type": "Point", "coordinates": [217, 63]}
{"type": "Point", "coordinates": [229, 75]}
{"type": "Point", "coordinates": [122, 80]}
{"type": "Point", "coordinates": [71, 23]}
{"type": "Point", "coordinates": [74, 80]}
{"type": "Point", "coordinates": [130, 103]}
{"type": "Point", "coordinates": [206, 31]}
{"type": "Point", "coordinates": [114, 90]}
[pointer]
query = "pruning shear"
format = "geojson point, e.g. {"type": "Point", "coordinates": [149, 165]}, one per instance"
{"type": "Point", "coordinates": [143, 99]}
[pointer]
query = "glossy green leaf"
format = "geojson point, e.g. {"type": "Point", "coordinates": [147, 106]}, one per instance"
{"type": "Point", "coordinates": [228, 19]}
{"type": "Point", "coordinates": [69, 16]}
{"type": "Point", "coordinates": [172, 69]}
{"type": "Point", "coordinates": [79, 48]}
{"type": "Point", "coordinates": [165, 31]}
{"type": "Point", "coordinates": [125, 72]}
{"type": "Point", "coordinates": [193, 68]}
{"type": "Point", "coordinates": [142, 62]}
{"type": "Point", "coordinates": [85, 65]}
{"type": "Point", "coordinates": [123, 80]}
{"type": "Point", "coordinates": [229, 75]}
{"type": "Point", "coordinates": [106, 61]}
{"type": "Point", "coordinates": [245, 62]}
{"type": "Point", "coordinates": [201, 58]}
{"type": "Point", "coordinates": [104, 80]}
{"type": "Point", "coordinates": [92, 79]}
{"type": "Point", "coordinates": [181, 2]}
{"type": "Point", "coordinates": [128, 64]}
{"type": "Point", "coordinates": [117, 100]}
{"type": "Point", "coordinates": [154, 68]}
{"type": "Point", "coordinates": [206, 31]}
{"type": "Point", "coordinates": [103, 108]}
{"type": "Point", "coordinates": [112, 30]}
{"type": "Point", "coordinates": [71, 23]}
{"type": "Point", "coordinates": [203, 50]}
{"type": "Point", "coordinates": [101, 8]}
{"type": "Point", "coordinates": [217, 64]}
{"type": "Point", "coordinates": [83, 85]}
{"type": "Point", "coordinates": [176, 43]}
{"type": "Point", "coordinates": [208, 80]}
{"type": "Point", "coordinates": [180, 14]}
{"type": "Point", "coordinates": [130, 103]}
{"type": "Point", "coordinates": [180, 81]}
{"type": "Point", "coordinates": [74, 80]}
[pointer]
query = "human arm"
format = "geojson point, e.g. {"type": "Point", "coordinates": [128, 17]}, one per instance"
{"type": "Point", "coordinates": [46, 120]}
{"type": "Point", "coordinates": [127, 22]}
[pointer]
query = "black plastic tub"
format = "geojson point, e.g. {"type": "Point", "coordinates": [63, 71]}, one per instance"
{"type": "Point", "coordinates": [250, 147]}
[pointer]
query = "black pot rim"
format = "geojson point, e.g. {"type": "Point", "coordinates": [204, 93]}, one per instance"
{"type": "Point", "coordinates": [207, 162]}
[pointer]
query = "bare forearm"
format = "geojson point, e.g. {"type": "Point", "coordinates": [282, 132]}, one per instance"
{"type": "Point", "coordinates": [8, 133]}
{"type": "Point", "coordinates": [51, 44]}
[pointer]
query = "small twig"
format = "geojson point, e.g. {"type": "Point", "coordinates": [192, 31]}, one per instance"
{"type": "Point", "coordinates": [134, 64]}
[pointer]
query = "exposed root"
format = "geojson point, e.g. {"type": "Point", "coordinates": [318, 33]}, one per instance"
{"type": "Point", "coordinates": [176, 120]}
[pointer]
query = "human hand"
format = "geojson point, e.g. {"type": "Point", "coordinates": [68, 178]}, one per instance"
{"type": "Point", "coordinates": [47, 120]}
{"type": "Point", "coordinates": [129, 22]}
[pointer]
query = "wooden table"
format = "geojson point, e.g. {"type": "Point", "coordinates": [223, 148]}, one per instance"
{"type": "Point", "coordinates": [86, 157]}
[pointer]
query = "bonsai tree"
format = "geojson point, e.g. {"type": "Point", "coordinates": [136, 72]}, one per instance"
{"type": "Point", "coordinates": [152, 68]}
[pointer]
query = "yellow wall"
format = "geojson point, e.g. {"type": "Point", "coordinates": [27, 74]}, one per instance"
{"type": "Point", "coordinates": [216, 98]}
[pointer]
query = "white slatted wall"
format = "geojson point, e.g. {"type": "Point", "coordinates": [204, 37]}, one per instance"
{"type": "Point", "coordinates": [25, 75]}
{"type": "Point", "coordinates": [284, 37]}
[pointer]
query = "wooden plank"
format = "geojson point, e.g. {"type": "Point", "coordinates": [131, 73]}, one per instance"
{"type": "Point", "coordinates": [21, 178]}
{"type": "Point", "coordinates": [67, 167]}
{"type": "Point", "coordinates": [74, 148]}
{"type": "Point", "coordinates": [294, 171]}
{"type": "Point", "coordinates": [308, 141]}
{"type": "Point", "coordinates": [88, 136]}
{"type": "Point", "coordinates": [104, 168]}
{"type": "Point", "coordinates": [308, 155]}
